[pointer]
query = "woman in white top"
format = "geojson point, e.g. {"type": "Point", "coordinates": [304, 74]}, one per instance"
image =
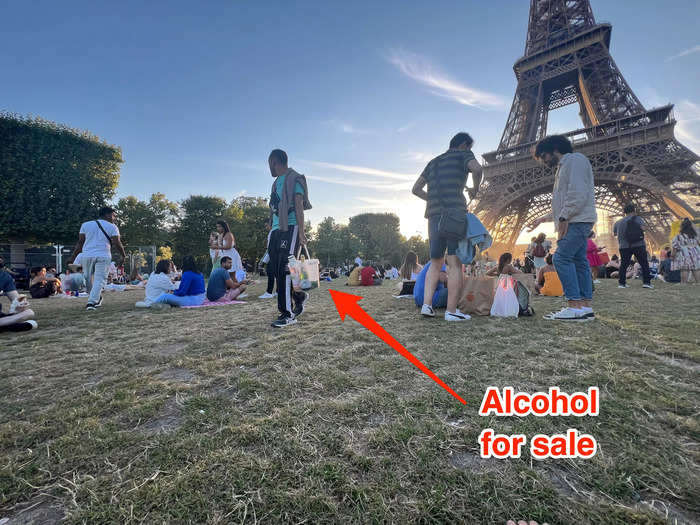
{"type": "Point", "coordinates": [158, 283]}
{"type": "Point", "coordinates": [226, 245]}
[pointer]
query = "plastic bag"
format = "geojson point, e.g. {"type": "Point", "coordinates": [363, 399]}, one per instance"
{"type": "Point", "coordinates": [505, 302]}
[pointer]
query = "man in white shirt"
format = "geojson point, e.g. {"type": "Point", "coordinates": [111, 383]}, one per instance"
{"type": "Point", "coordinates": [95, 247]}
{"type": "Point", "coordinates": [574, 213]}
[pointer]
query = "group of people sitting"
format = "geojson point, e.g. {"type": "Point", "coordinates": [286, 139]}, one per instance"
{"type": "Point", "coordinates": [163, 292]}
{"type": "Point", "coordinates": [371, 274]}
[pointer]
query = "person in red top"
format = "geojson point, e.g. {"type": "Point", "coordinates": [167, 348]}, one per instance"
{"type": "Point", "coordinates": [367, 276]}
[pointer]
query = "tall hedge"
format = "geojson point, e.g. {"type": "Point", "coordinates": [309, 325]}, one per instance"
{"type": "Point", "coordinates": [52, 178]}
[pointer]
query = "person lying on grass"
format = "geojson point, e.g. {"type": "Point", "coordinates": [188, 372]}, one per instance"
{"type": "Point", "coordinates": [223, 286]}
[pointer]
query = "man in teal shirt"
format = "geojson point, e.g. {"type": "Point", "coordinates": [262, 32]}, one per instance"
{"type": "Point", "coordinates": [288, 200]}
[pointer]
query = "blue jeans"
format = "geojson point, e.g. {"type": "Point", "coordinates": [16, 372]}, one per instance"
{"type": "Point", "coordinates": [178, 300]}
{"type": "Point", "coordinates": [571, 263]}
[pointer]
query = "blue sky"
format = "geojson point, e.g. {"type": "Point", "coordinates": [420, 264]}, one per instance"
{"type": "Point", "coordinates": [360, 94]}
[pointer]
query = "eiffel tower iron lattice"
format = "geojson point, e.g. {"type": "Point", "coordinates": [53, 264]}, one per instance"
{"type": "Point", "coordinates": [634, 153]}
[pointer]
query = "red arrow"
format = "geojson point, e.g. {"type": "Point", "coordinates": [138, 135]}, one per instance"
{"type": "Point", "coordinates": [347, 305]}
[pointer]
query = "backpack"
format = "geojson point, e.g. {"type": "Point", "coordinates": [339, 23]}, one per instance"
{"type": "Point", "coordinates": [633, 230]}
{"type": "Point", "coordinates": [523, 295]}
{"type": "Point", "coordinates": [538, 250]}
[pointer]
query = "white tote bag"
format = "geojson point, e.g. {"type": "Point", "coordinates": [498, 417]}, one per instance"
{"type": "Point", "coordinates": [505, 302]}
{"type": "Point", "coordinates": [310, 271]}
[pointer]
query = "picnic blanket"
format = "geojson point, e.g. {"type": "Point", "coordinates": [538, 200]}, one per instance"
{"type": "Point", "coordinates": [207, 302]}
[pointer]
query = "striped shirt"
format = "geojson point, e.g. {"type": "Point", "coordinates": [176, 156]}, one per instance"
{"type": "Point", "coordinates": [446, 176]}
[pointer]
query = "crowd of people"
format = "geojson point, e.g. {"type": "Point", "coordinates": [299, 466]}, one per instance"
{"type": "Point", "coordinates": [571, 270]}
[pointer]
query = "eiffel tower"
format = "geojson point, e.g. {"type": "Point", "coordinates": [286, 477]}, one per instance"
{"type": "Point", "coordinates": [634, 153]}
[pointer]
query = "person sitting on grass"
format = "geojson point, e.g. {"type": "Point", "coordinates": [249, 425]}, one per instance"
{"type": "Point", "coordinates": [74, 280]}
{"type": "Point", "coordinates": [191, 292]}
{"type": "Point", "coordinates": [21, 321]}
{"type": "Point", "coordinates": [504, 266]}
{"type": "Point", "coordinates": [440, 295]}
{"type": "Point", "coordinates": [42, 286]}
{"type": "Point", "coordinates": [548, 282]}
{"type": "Point", "coordinates": [612, 267]}
{"type": "Point", "coordinates": [410, 269]}
{"type": "Point", "coordinates": [354, 277]}
{"type": "Point", "coordinates": [223, 286]}
{"type": "Point", "coordinates": [8, 288]}
{"type": "Point", "coordinates": [159, 283]}
{"type": "Point", "coordinates": [369, 277]}
{"type": "Point", "coordinates": [135, 277]}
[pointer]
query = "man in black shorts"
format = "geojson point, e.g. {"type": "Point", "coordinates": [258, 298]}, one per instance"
{"type": "Point", "coordinates": [446, 177]}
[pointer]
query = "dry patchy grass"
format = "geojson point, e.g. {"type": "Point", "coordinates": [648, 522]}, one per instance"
{"type": "Point", "coordinates": [209, 415]}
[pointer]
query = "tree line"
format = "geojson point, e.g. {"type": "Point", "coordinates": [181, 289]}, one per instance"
{"type": "Point", "coordinates": [183, 228]}
{"type": "Point", "coordinates": [54, 177]}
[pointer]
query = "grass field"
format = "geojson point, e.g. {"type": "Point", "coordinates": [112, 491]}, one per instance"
{"type": "Point", "coordinates": [212, 416]}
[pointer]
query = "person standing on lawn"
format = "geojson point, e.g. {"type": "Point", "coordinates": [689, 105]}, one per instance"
{"type": "Point", "coordinates": [289, 197]}
{"type": "Point", "coordinates": [573, 211]}
{"type": "Point", "coordinates": [95, 243]}
{"type": "Point", "coordinates": [446, 177]}
{"type": "Point", "coordinates": [630, 236]}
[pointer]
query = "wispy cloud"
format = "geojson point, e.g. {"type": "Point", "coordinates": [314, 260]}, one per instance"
{"type": "Point", "coordinates": [419, 69]}
{"type": "Point", "coordinates": [366, 184]}
{"type": "Point", "coordinates": [344, 127]}
{"type": "Point", "coordinates": [689, 51]}
{"type": "Point", "coordinates": [363, 170]}
{"type": "Point", "coordinates": [688, 124]}
{"type": "Point", "coordinates": [417, 156]}
{"type": "Point", "coordinates": [407, 127]}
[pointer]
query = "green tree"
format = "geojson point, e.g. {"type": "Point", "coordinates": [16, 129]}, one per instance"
{"type": "Point", "coordinates": [199, 214]}
{"type": "Point", "coordinates": [248, 218]}
{"type": "Point", "coordinates": [146, 223]}
{"type": "Point", "coordinates": [379, 236]}
{"type": "Point", "coordinates": [417, 244]}
{"type": "Point", "coordinates": [52, 178]}
{"type": "Point", "coordinates": [334, 243]}
{"type": "Point", "coordinates": [328, 244]}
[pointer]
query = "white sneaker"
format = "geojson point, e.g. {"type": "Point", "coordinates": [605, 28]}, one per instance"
{"type": "Point", "coordinates": [457, 316]}
{"type": "Point", "coordinates": [622, 286]}
{"type": "Point", "coordinates": [566, 314]}
{"type": "Point", "coordinates": [427, 311]}
{"type": "Point", "coordinates": [588, 312]}
{"type": "Point", "coordinates": [596, 281]}
{"type": "Point", "coordinates": [267, 295]}
{"type": "Point", "coordinates": [650, 286]}
{"type": "Point", "coordinates": [242, 296]}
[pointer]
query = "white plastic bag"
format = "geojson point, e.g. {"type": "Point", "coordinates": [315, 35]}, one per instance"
{"type": "Point", "coordinates": [505, 302]}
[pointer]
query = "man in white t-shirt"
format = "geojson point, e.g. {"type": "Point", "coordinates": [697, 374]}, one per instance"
{"type": "Point", "coordinates": [95, 248]}
{"type": "Point", "coordinates": [358, 261]}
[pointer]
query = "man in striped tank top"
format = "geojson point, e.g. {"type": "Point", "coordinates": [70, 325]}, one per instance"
{"type": "Point", "coordinates": [446, 178]}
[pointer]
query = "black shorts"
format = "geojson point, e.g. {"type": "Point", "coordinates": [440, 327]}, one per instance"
{"type": "Point", "coordinates": [439, 244]}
